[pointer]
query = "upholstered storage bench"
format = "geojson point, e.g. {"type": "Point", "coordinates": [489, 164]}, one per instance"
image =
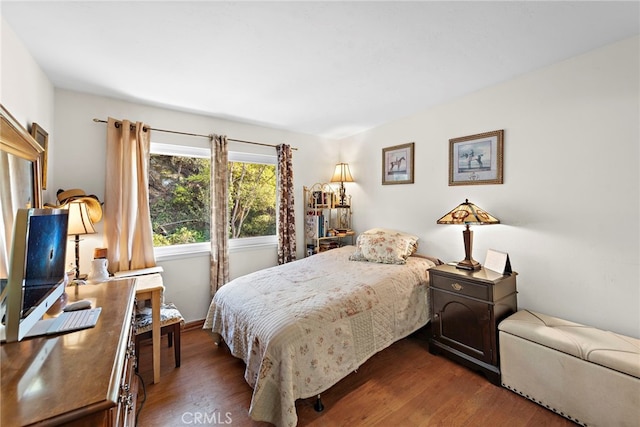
{"type": "Point", "coordinates": [587, 375]}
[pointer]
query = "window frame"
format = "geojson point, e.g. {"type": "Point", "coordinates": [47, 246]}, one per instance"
{"type": "Point", "coordinates": [203, 248]}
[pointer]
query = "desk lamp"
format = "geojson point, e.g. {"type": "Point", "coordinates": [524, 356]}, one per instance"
{"type": "Point", "coordinates": [79, 223]}
{"type": "Point", "coordinates": [342, 174]}
{"type": "Point", "coordinates": [467, 213]}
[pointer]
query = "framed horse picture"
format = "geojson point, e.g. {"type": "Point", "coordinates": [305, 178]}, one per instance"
{"type": "Point", "coordinates": [397, 164]}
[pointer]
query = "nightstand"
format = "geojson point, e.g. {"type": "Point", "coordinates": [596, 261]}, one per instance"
{"type": "Point", "coordinates": [466, 307]}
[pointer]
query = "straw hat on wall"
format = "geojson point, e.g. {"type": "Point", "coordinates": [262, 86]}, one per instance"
{"type": "Point", "coordinates": [93, 203]}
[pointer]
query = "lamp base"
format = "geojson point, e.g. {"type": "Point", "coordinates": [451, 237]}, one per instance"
{"type": "Point", "coordinates": [469, 264]}
{"type": "Point", "coordinates": [343, 195]}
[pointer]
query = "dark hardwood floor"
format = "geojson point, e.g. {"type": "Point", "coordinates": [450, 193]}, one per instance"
{"type": "Point", "coordinates": [404, 385]}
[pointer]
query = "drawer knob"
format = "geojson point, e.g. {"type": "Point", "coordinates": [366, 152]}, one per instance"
{"type": "Point", "coordinates": [456, 286]}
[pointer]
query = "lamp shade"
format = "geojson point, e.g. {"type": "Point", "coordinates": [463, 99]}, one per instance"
{"type": "Point", "coordinates": [342, 173]}
{"type": "Point", "coordinates": [79, 221]}
{"type": "Point", "coordinates": [468, 213]}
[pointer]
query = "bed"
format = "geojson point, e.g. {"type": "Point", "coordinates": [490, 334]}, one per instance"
{"type": "Point", "coordinates": [303, 326]}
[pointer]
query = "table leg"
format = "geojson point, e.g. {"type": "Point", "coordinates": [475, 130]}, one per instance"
{"type": "Point", "coordinates": [155, 316]}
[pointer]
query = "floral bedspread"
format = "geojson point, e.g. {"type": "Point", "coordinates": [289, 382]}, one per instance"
{"type": "Point", "coordinates": [302, 326]}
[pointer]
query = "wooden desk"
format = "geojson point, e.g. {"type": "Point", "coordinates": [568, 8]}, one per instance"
{"type": "Point", "coordinates": [149, 287]}
{"type": "Point", "coordinates": [79, 378]}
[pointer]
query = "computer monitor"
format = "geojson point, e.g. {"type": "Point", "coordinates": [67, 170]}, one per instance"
{"type": "Point", "coordinates": [36, 268]}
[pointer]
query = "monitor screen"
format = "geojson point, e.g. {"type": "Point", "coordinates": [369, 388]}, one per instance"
{"type": "Point", "coordinates": [45, 258]}
{"type": "Point", "coordinates": [36, 268]}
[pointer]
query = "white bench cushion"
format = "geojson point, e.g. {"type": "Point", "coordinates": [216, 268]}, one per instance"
{"type": "Point", "coordinates": [604, 348]}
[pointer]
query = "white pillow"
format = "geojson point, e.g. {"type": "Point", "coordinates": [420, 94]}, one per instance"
{"type": "Point", "coordinates": [384, 246]}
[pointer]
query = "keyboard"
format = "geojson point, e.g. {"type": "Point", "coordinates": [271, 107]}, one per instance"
{"type": "Point", "coordinates": [74, 320]}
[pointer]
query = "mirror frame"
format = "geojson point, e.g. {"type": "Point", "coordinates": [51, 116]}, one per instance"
{"type": "Point", "coordinates": [15, 140]}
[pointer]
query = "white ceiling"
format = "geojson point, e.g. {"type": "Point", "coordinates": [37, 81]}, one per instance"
{"type": "Point", "coordinates": [324, 68]}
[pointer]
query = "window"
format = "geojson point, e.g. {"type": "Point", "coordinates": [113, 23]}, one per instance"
{"type": "Point", "coordinates": [252, 195]}
{"type": "Point", "coordinates": [179, 199]}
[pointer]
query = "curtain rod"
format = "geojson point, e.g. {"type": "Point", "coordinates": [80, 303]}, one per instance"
{"type": "Point", "coordinates": [197, 134]}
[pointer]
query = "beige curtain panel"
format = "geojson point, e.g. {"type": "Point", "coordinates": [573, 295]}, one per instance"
{"type": "Point", "coordinates": [127, 229]}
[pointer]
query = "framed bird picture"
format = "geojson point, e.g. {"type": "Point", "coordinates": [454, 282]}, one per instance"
{"type": "Point", "coordinates": [476, 159]}
{"type": "Point", "coordinates": [397, 164]}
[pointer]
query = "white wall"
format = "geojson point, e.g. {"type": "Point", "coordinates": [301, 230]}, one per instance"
{"type": "Point", "coordinates": [570, 199]}
{"type": "Point", "coordinates": [25, 91]}
{"type": "Point", "coordinates": [80, 157]}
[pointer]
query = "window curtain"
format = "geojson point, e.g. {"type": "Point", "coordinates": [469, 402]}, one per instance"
{"type": "Point", "coordinates": [127, 227]}
{"type": "Point", "coordinates": [286, 214]}
{"type": "Point", "coordinates": [219, 263]}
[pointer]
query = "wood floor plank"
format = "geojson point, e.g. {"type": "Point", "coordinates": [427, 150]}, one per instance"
{"type": "Point", "coordinates": [404, 385]}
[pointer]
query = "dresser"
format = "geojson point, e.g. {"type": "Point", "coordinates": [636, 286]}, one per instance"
{"type": "Point", "coordinates": [82, 378]}
{"type": "Point", "coordinates": [466, 307]}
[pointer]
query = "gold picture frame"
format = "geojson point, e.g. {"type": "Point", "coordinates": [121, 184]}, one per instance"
{"type": "Point", "coordinates": [477, 159]}
{"type": "Point", "coordinates": [21, 185]}
{"type": "Point", "coordinates": [42, 137]}
{"type": "Point", "coordinates": [398, 164]}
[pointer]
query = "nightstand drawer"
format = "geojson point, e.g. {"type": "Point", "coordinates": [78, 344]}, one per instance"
{"type": "Point", "coordinates": [462, 287]}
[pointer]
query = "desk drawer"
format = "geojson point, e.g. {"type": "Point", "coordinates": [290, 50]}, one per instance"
{"type": "Point", "coordinates": [124, 414]}
{"type": "Point", "coordinates": [461, 287]}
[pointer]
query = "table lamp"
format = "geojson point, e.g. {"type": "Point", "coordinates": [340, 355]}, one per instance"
{"type": "Point", "coordinates": [342, 174]}
{"type": "Point", "coordinates": [79, 223]}
{"type": "Point", "coordinates": [467, 213]}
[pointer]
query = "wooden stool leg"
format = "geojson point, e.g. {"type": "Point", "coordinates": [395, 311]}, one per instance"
{"type": "Point", "coordinates": [176, 349]}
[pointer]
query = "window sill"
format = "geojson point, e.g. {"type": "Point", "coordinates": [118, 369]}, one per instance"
{"type": "Point", "coordinates": [192, 250]}
{"type": "Point", "coordinates": [166, 253]}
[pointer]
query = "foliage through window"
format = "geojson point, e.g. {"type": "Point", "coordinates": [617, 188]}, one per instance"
{"type": "Point", "coordinates": [179, 195]}
{"type": "Point", "coordinates": [252, 200]}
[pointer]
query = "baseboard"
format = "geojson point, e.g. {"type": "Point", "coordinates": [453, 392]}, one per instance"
{"type": "Point", "coordinates": [196, 324]}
